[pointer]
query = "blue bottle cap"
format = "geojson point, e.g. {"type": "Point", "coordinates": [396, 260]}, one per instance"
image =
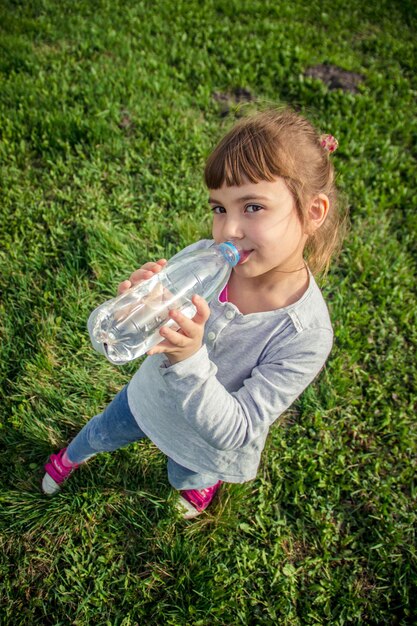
{"type": "Point", "coordinates": [230, 252]}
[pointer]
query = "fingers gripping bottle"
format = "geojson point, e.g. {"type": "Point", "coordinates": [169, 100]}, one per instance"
{"type": "Point", "coordinates": [128, 326]}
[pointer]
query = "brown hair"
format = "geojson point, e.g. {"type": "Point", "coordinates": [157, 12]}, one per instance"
{"type": "Point", "coordinates": [280, 142]}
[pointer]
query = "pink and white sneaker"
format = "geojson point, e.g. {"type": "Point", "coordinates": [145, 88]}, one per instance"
{"type": "Point", "coordinates": [192, 502]}
{"type": "Point", "coordinates": [56, 472]}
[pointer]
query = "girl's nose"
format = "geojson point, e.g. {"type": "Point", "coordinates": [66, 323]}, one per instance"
{"type": "Point", "coordinates": [232, 230]}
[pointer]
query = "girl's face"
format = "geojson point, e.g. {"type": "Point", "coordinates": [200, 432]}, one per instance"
{"type": "Point", "coordinates": [261, 218]}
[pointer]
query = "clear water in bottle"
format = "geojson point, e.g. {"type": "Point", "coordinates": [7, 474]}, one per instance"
{"type": "Point", "coordinates": [128, 326]}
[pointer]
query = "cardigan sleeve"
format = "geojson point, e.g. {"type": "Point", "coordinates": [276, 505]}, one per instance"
{"type": "Point", "coordinates": [229, 421]}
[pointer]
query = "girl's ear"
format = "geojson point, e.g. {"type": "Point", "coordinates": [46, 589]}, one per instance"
{"type": "Point", "coordinates": [317, 212]}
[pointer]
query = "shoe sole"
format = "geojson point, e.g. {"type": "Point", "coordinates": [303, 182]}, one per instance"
{"type": "Point", "coordinates": [187, 510]}
{"type": "Point", "coordinates": [49, 486]}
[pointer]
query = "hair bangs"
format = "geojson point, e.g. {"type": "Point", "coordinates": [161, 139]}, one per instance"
{"type": "Point", "coordinates": [239, 158]}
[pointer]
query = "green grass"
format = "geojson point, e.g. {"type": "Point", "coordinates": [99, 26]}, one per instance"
{"type": "Point", "coordinates": [107, 112]}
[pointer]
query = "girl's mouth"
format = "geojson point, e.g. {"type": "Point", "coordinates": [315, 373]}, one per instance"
{"type": "Point", "coordinates": [244, 254]}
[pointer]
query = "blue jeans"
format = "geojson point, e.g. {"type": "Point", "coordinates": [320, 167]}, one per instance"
{"type": "Point", "coordinates": [116, 427]}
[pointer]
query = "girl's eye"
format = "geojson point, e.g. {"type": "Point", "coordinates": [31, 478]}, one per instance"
{"type": "Point", "coordinates": [218, 209]}
{"type": "Point", "coordinates": [253, 208]}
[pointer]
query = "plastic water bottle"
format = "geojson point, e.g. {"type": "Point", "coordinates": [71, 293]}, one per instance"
{"type": "Point", "coordinates": [128, 326]}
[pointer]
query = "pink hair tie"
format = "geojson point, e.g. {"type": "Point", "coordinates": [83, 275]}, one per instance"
{"type": "Point", "coordinates": [329, 143]}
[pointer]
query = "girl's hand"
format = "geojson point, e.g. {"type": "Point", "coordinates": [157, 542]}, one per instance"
{"type": "Point", "coordinates": [143, 273]}
{"type": "Point", "coordinates": [180, 344]}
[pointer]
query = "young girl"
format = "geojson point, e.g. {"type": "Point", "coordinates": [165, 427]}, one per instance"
{"type": "Point", "coordinates": [209, 392]}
